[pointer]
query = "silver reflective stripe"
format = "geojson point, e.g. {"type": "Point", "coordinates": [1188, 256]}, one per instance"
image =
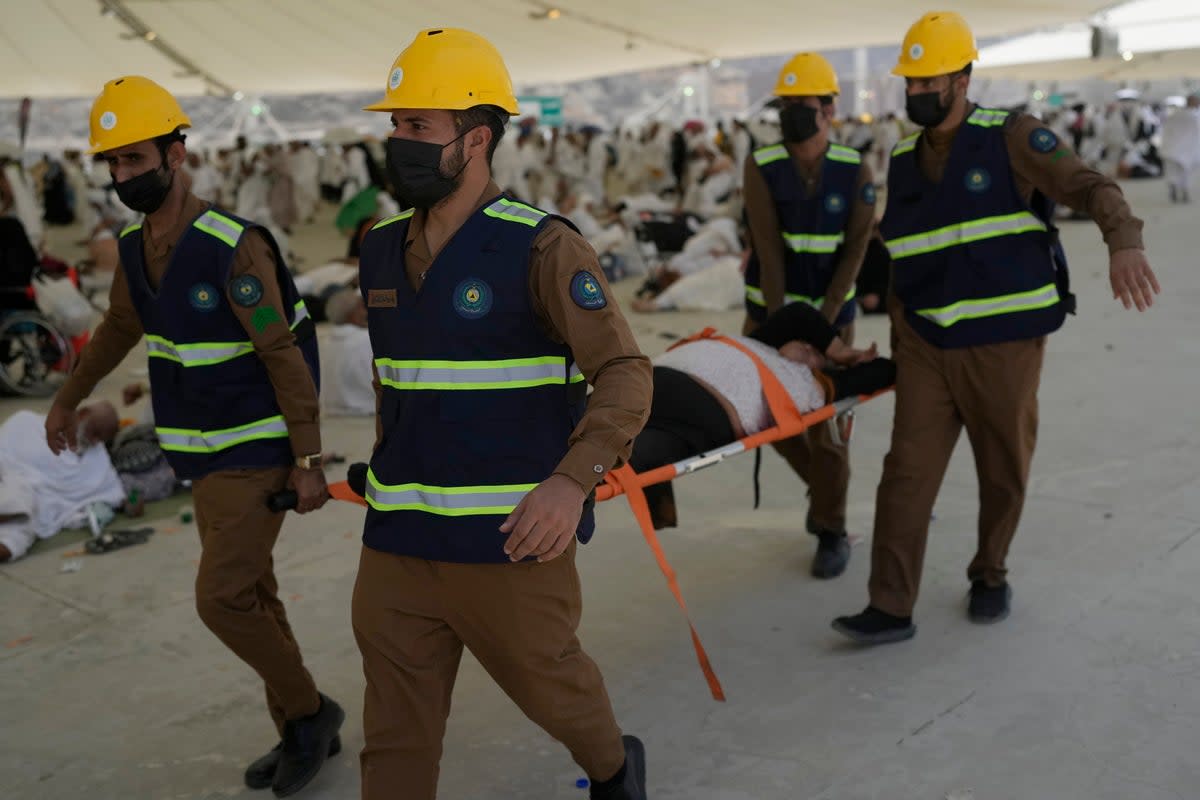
{"type": "Point", "coordinates": [186, 440]}
{"type": "Point", "coordinates": [450, 501]}
{"type": "Point", "coordinates": [813, 242]}
{"type": "Point", "coordinates": [906, 145]}
{"type": "Point", "coordinates": [301, 313]}
{"type": "Point", "coordinates": [755, 296]}
{"type": "Point", "coordinates": [992, 306]}
{"type": "Point", "coordinates": [964, 233]}
{"type": "Point", "coordinates": [846, 155]}
{"type": "Point", "coordinates": [517, 373]}
{"type": "Point", "coordinates": [220, 226]}
{"type": "Point", "coordinates": [512, 211]}
{"type": "Point", "coordinates": [766, 155]}
{"type": "Point", "coordinates": [393, 218]}
{"type": "Point", "coordinates": [196, 355]}
{"type": "Point", "coordinates": [987, 117]}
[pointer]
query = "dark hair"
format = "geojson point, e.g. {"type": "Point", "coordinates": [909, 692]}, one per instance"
{"type": "Point", "coordinates": [165, 141]}
{"type": "Point", "coordinates": [967, 69]}
{"type": "Point", "coordinates": [493, 117]}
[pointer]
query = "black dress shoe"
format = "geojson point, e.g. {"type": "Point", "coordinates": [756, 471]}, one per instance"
{"type": "Point", "coordinates": [261, 774]}
{"type": "Point", "coordinates": [630, 782]}
{"type": "Point", "coordinates": [873, 626]}
{"type": "Point", "coordinates": [989, 604]}
{"type": "Point", "coordinates": [832, 556]}
{"type": "Point", "coordinates": [306, 744]}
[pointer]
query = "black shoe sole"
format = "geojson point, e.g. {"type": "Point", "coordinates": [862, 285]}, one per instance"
{"type": "Point", "coordinates": [265, 781]}
{"type": "Point", "coordinates": [882, 637]}
{"type": "Point", "coordinates": [635, 755]}
{"type": "Point", "coordinates": [300, 783]}
{"type": "Point", "coordinates": [992, 619]}
{"type": "Point", "coordinates": [830, 571]}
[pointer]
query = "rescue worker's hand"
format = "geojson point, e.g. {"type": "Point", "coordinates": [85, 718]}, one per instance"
{"type": "Point", "coordinates": [545, 520]}
{"type": "Point", "coordinates": [311, 490]}
{"type": "Point", "coordinates": [132, 393]}
{"type": "Point", "coordinates": [844, 355]}
{"type": "Point", "coordinates": [62, 423]}
{"type": "Point", "coordinates": [1133, 282]}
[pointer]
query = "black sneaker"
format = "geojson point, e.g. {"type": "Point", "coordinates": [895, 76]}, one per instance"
{"type": "Point", "coordinates": [873, 626]}
{"type": "Point", "coordinates": [989, 604]}
{"type": "Point", "coordinates": [832, 556]}
{"type": "Point", "coordinates": [633, 780]}
{"type": "Point", "coordinates": [306, 745]}
{"type": "Point", "coordinates": [261, 774]}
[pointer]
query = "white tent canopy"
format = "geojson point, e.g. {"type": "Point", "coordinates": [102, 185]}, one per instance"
{"type": "Point", "coordinates": [66, 48]}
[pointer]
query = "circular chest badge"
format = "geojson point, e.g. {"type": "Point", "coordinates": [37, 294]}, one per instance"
{"type": "Point", "coordinates": [586, 291]}
{"type": "Point", "coordinates": [395, 78]}
{"type": "Point", "coordinates": [246, 290]}
{"type": "Point", "coordinates": [978, 180]}
{"type": "Point", "coordinates": [203, 297]}
{"type": "Point", "coordinates": [472, 299]}
{"type": "Point", "coordinates": [108, 120]}
{"type": "Point", "coordinates": [835, 203]}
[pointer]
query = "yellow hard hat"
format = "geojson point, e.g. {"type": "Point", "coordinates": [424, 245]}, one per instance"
{"type": "Point", "coordinates": [939, 43]}
{"type": "Point", "coordinates": [806, 74]}
{"type": "Point", "coordinates": [133, 109]}
{"type": "Point", "coordinates": [448, 68]}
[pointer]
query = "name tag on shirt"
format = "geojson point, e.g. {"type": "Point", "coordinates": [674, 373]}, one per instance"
{"type": "Point", "coordinates": [381, 298]}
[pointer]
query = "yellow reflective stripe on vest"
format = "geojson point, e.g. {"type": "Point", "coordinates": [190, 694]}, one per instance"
{"type": "Point", "coordinates": [205, 354]}
{"type": "Point", "coordinates": [393, 218]}
{"type": "Point", "coordinates": [187, 440]}
{"type": "Point", "coordinates": [987, 117]}
{"type": "Point", "coordinates": [447, 501]}
{"type": "Point", "coordinates": [511, 373]}
{"type": "Point", "coordinates": [220, 226]}
{"type": "Point", "coordinates": [512, 211]}
{"type": "Point", "coordinates": [946, 316]}
{"type": "Point", "coordinates": [846, 155]}
{"type": "Point", "coordinates": [770, 154]}
{"type": "Point", "coordinates": [755, 296]}
{"type": "Point", "coordinates": [137, 226]}
{"type": "Point", "coordinates": [906, 145]}
{"type": "Point", "coordinates": [964, 233]}
{"type": "Point", "coordinates": [813, 242]}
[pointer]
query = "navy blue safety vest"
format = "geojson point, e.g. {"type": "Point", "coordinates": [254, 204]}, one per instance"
{"type": "Point", "coordinates": [478, 402]}
{"type": "Point", "coordinates": [972, 262]}
{"type": "Point", "coordinates": [813, 228]}
{"type": "Point", "coordinates": [214, 405]}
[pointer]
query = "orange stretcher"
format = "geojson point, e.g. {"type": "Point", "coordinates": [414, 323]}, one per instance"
{"type": "Point", "coordinates": [789, 422]}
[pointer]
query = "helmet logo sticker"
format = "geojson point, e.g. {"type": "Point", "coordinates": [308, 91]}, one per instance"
{"type": "Point", "coordinates": [789, 79]}
{"type": "Point", "coordinates": [395, 78]}
{"type": "Point", "coordinates": [108, 120]}
{"type": "Point", "coordinates": [916, 51]}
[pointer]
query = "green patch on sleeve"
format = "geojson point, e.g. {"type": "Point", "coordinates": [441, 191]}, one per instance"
{"type": "Point", "coordinates": [1058, 155]}
{"type": "Point", "coordinates": [264, 316]}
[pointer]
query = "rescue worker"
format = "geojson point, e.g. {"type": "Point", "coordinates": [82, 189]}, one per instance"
{"type": "Point", "coordinates": [486, 318]}
{"type": "Point", "coordinates": [233, 377]}
{"type": "Point", "coordinates": [810, 207]}
{"type": "Point", "coordinates": [979, 280]}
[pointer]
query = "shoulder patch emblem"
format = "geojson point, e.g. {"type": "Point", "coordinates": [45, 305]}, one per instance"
{"type": "Point", "coordinates": [868, 194]}
{"type": "Point", "coordinates": [246, 290]}
{"type": "Point", "coordinates": [586, 291]}
{"type": "Point", "coordinates": [1043, 140]}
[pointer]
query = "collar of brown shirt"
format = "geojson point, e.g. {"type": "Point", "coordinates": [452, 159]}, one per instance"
{"type": "Point", "coordinates": [418, 258]}
{"type": "Point", "coordinates": [158, 247]}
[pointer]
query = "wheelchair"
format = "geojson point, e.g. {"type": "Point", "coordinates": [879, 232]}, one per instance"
{"type": "Point", "coordinates": [35, 356]}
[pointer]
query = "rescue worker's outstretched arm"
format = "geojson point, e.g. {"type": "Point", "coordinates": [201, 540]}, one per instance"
{"type": "Point", "coordinates": [854, 250]}
{"type": "Point", "coordinates": [572, 300]}
{"type": "Point", "coordinates": [1040, 159]}
{"type": "Point", "coordinates": [116, 335]}
{"type": "Point", "coordinates": [765, 236]}
{"type": "Point", "coordinates": [261, 314]}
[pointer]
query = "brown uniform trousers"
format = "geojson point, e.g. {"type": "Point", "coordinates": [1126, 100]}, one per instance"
{"type": "Point", "coordinates": [822, 463]}
{"type": "Point", "coordinates": [412, 618]}
{"type": "Point", "coordinates": [236, 592]}
{"type": "Point", "coordinates": [991, 391]}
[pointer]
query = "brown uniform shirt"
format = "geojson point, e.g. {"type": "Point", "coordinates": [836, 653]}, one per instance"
{"type": "Point", "coordinates": [767, 238]}
{"type": "Point", "coordinates": [121, 329]}
{"type": "Point", "coordinates": [1059, 174]}
{"type": "Point", "coordinates": [601, 342]}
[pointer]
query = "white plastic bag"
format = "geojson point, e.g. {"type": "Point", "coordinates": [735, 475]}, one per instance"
{"type": "Point", "coordinates": [62, 304]}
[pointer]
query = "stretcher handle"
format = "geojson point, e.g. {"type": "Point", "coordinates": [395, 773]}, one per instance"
{"type": "Point", "coordinates": [356, 480]}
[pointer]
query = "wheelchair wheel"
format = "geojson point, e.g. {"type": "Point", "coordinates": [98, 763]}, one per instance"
{"type": "Point", "coordinates": [35, 358]}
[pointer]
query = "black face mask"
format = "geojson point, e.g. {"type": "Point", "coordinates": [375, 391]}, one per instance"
{"type": "Point", "coordinates": [798, 122]}
{"type": "Point", "coordinates": [926, 109]}
{"type": "Point", "coordinates": [415, 169]}
{"type": "Point", "coordinates": [147, 192]}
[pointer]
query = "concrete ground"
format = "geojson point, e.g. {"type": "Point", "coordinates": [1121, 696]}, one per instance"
{"type": "Point", "coordinates": [112, 688]}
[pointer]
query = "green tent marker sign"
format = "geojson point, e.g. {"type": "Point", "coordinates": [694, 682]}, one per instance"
{"type": "Point", "coordinates": [548, 110]}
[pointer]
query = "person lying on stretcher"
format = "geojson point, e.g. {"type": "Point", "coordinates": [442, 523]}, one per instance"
{"type": "Point", "coordinates": [708, 393]}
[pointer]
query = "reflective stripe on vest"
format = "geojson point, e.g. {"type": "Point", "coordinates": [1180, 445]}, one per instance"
{"type": "Point", "coordinates": [987, 117]}
{"type": "Point", "coordinates": [814, 242]}
{"type": "Point", "coordinates": [906, 145]}
{"type": "Point", "coordinates": [137, 226]}
{"type": "Point", "coordinates": [963, 233]}
{"type": "Point", "coordinates": [512, 211]}
{"type": "Point", "coordinates": [755, 296]}
{"type": "Point", "coordinates": [768, 155]}
{"type": "Point", "coordinates": [846, 155]}
{"type": "Point", "coordinates": [447, 501]}
{"type": "Point", "coordinates": [512, 373]}
{"type": "Point", "coordinates": [204, 354]}
{"type": "Point", "coordinates": [393, 218]}
{"type": "Point", "coordinates": [992, 306]}
{"type": "Point", "coordinates": [185, 440]}
{"type": "Point", "coordinates": [220, 226]}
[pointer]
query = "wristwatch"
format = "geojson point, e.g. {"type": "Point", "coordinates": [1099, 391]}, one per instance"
{"type": "Point", "coordinates": [309, 462]}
